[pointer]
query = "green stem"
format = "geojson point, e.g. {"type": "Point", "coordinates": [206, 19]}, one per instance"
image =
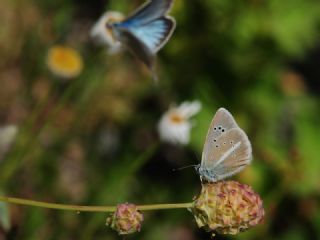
{"type": "Point", "coordinates": [164, 206]}
{"type": "Point", "coordinates": [26, 202]}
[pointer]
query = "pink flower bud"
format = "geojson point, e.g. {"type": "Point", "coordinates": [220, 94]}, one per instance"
{"type": "Point", "coordinates": [126, 219]}
{"type": "Point", "coordinates": [227, 207]}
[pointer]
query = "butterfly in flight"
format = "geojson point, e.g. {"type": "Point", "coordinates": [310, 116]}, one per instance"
{"type": "Point", "coordinates": [227, 149]}
{"type": "Point", "coordinates": [146, 31]}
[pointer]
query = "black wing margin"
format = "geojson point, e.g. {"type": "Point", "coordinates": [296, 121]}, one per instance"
{"type": "Point", "coordinates": [150, 11]}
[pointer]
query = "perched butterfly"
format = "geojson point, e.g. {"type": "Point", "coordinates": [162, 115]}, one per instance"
{"type": "Point", "coordinates": [227, 149]}
{"type": "Point", "coordinates": [146, 31]}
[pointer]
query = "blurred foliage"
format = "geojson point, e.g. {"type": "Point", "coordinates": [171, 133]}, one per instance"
{"type": "Point", "coordinates": [93, 140]}
{"type": "Point", "coordinates": [4, 216]}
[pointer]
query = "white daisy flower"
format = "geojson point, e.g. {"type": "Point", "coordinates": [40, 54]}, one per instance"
{"type": "Point", "coordinates": [101, 34]}
{"type": "Point", "coordinates": [7, 136]}
{"type": "Point", "coordinates": [175, 125]}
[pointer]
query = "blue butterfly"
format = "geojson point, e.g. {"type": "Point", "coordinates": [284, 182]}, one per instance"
{"type": "Point", "coordinates": [146, 31]}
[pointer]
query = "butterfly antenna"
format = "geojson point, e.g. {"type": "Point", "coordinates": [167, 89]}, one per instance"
{"type": "Point", "coordinates": [178, 169]}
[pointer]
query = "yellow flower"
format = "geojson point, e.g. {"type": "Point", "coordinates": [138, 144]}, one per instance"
{"type": "Point", "coordinates": [64, 61]}
{"type": "Point", "coordinates": [227, 207]}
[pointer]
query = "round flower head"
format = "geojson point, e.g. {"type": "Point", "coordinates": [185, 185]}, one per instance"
{"type": "Point", "coordinates": [175, 125]}
{"type": "Point", "coordinates": [64, 61]}
{"type": "Point", "coordinates": [227, 207]}
{"type": "Point", "coordinates": [102, 34]}
{"type": "Point", "coordinates": [126, 219]}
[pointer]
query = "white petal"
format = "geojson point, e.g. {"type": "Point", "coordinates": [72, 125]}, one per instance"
{"type": "Point", "coordinates": [174, 133]}
{"type": "Point", "coordinates": [189, 109]}
{"type": "Point", "coordinates": [177, 131]}
{"type": "Point", "coordinates": [100, 33]}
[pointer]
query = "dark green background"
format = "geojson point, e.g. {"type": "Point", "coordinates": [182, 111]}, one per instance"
{"type": "Point", "coordinates": [93, 140]}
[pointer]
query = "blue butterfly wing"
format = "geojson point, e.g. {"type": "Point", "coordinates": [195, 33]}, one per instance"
{"type": "Point", "coordinates": [147, 30]}
{"type": "Point", "coordinates": [137, 47]}
{"type": "Point", "coordinates": [154, 34]}
{"type": "Point", "coordinates": [149, 11]}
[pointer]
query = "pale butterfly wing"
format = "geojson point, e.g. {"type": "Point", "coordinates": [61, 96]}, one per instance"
{"type": "Point", "coordinates": [221, 123]}
{"type": "Point", "coordinates": [150, 11]}
{"type": "Point", "coordinates": [229, 154]}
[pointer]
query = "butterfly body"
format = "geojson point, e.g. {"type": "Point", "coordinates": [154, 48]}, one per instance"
{"type": "Point", "coordinates": [146, 31]}
{"type": "Point", "coordinates": [227, 149]}
{"type": "Point", "coordinates": [206, 174]}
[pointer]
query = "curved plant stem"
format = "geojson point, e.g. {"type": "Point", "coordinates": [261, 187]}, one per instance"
{"type": "Point", "coordinates": [77, 208]}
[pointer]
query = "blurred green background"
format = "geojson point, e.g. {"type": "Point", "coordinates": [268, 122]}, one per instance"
{"type": "Point", "coordinates": [92, 140]}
